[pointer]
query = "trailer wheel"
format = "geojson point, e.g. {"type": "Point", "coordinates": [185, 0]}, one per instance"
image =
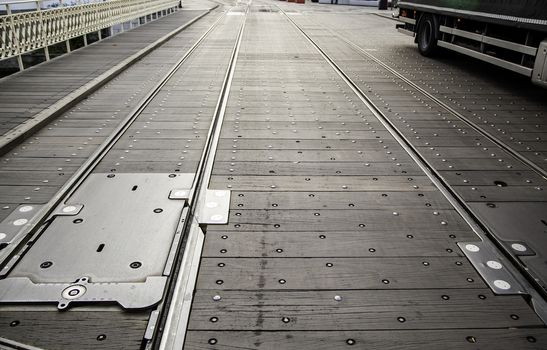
{"type": "Point", "coordinates": [427, 41]}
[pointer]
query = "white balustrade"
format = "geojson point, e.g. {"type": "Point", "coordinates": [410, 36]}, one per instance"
{"type": "Point", "coordinates": [27, 31]}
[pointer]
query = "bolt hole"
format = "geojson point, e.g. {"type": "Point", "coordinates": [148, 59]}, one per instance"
{"type": "Point", "coordinates": [78, 221]}
{"type": "Point", "coordinates": [14, 323]}
{"type": "Point", "coordinates": [500, 183]}
{"type": "Point", "coordinates": [46, 264]}
{"type": "Point", "coordinates": [158, 210]}
{"type": "Point", "coordinates": [134, 188]}
{"type": "Point", "coordinates": [100, 248]}
{"type": "Point", "coordinates": [531, 339]}
{"type": "Point", "coordinates": [135, 264]}
{"type": "Point", "coordinates": [471, 339]}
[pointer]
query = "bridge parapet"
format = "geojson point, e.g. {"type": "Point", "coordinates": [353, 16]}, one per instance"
{"type": "Point", "coordinates": [24, 32]}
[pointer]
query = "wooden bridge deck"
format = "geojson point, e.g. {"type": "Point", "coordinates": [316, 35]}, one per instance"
{"type": "Point", "coordinates": [350, 190]}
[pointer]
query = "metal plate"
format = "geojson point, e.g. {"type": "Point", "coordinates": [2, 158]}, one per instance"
{"type": "Point", "coordinates": [123, 233]}
{"type": "Point", "coordinates": [492, 267]}
{"type": "Point", "coordinates": [16, 222]}
{"type": "Point", "coordinates": [521, 223]}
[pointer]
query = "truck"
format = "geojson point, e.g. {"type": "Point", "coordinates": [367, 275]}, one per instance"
{"type": "Point", "coordinates": [508, 33]}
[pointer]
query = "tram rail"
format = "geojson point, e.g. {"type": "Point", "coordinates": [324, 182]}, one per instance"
{"type": "Point", "coordinates": [515, 268]}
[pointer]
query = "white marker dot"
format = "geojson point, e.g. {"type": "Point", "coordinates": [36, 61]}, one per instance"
{"type": "Point", "coordinates": [501, 284]}
{"type": "Point", "coordinates": [472, 248]}
{"type": "Point", "coordinates": [217, 217]}
{"type": "Point", "coordinates": [494, 265]}
{"type": "Point", "coordinates": [69, 209]}
{"type": "Point", "coordinates": [518, 247]}
{"type": "Point", "coordinates": [25, 209]}
{"type": "Point", "coordinates": [20, 222]}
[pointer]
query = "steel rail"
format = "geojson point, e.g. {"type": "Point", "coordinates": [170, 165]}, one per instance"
{"type": "Point", "coordinates": [533, 289]}
{"type": "Point", "coordinates": [174, 323]}
{"type": "Point", "coordinates": [18, 134]}
{"type": "Point", "coordinates": [492, 138]}
{"type": "Point", "coordinates": [8, 255]}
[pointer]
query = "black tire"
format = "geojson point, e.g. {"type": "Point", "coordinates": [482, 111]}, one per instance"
{"type": "Point", "coordinates": [426, 37]}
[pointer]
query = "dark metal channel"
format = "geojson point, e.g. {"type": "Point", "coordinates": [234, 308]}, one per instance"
{"type": "Point", "coordinates": [201, 180]}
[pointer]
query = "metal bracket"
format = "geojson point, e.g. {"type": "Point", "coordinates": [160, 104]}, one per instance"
{"type": "Point", "coordinates": [21, 217]}
{"type": "Point", "coordinates": [214, 209]}
{"type": "Point", "coordinates": [128, 295]}
{"type": "Point", "coordinates": [492, 268]}
{"type": "Point", "coordinates": [68, 210]}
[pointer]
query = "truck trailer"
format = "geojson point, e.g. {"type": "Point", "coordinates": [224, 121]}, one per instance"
{"type": "Point", "coordinates": [508, 33]}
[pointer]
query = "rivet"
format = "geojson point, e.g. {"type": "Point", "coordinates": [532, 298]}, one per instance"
{"type": "Point", "coordinates": [385, 281]}
{"type": "Point", "coordinates": [212, 341]}
{"type": "Point", "coordinates": [285, 320]}
{"type": "Point", "coordinates": [213, 319]}
{"type": "Point", "coordinates": [445, 297]}
{"type": "Point", "coordinates": [337, 298]}
{"type": "Point", "coordinates": [217, 298]}
{"type": "Point", "coordinates": [282, 281]}
{"type": "Point", "coordinates": [219, 282]}
{"type": "Point", "coordinates": [350, 342]}
{"type": "Point", "coordinates": [329, 265]}
{"type": "Point", "coordinates": [401, 319]}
